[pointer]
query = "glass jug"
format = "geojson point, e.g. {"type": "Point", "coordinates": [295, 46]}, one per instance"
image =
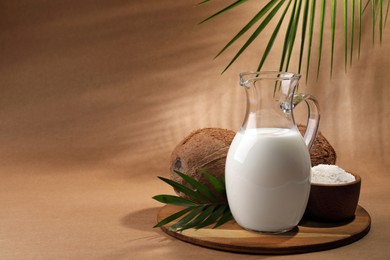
{"type": "Point", "coordinates": [268, 163]}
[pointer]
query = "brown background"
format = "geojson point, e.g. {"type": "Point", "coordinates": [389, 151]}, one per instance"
{"type": "Point", "coordinates": [96, 94]}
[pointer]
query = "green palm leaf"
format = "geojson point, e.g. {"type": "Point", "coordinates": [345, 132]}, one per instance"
{"type": "Point", "coordinates": [333, 29]}
{"type": "Point", "coordinates": [181, 224]}
{"type": "Point", "coordinates": [254, 20]}
{"type": "Point", "coordinates": [272, 38]}
{"type": "Point", "coordinates": [380, 10]}
{"type": "Point", "coordinates": [172, 217]}
{"type": "Point", "coordinates": [303, 36]}
{"type": "Point", "coordinates": [238, 2]}
{"type": "Point", "coordinates": [206, 211]}
{"type": "Point", "coordinates": [203, 209]}
{"type": "Point", "coordinates": [213, 217]}
{"type": "Point", "coordinates": [259, 29]}
{"type": "Point", "coordinates": [345, 4]}
{"type": "Point", "coordinates": [218, 185]}
{"type": "Point", "coordinates": [373, 20]}
{"type": "Point", "coordinates": [174, 200]}
{"type": "Point", "coordinates": [203, 2]}
{"type": "Point", "coordinates": [184, 189]}
{"type": "Point", "coordinates": [199, 187]}
{"type": "Point", "coordinates": [301, 15]}
{"type": "Point", "coordinates": [360, 10]}
{"type": "Point", "coordinates": [352, 29]}
{"type": "Point", "coordinates": [387, 11]}
{"type": "Point", "coordinates": [227, 216]}
{"type": "Point", "coordinates": [322, 21]}
{"type": "Point", "coordinates": [366, 5]}
{"type": "Point", "coordinates": [287, 37]}
{"type": "Point", "coordinates": [293, 33]}
{"type": "Point", "coordinates": [311, 27]}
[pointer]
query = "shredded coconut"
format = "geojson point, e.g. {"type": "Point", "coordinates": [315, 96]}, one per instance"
{"type": "Point", "coordinates": [330, 174]}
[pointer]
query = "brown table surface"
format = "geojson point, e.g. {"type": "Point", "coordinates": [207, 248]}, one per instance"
{"type": "Point", "coordinates": [96, 94]}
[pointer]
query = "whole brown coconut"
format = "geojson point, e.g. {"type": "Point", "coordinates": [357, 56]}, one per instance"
{"type": "Point", "coordinates": [207, 149]}
{"type": "Point", "coordinates": [321, 152]}
{"type": "Point", "coordinates": [203, 149]}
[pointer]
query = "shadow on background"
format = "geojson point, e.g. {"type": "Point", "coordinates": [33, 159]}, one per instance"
{"type": "Point", "coordinates": [93, 82]}
{"type": "Point", "coordinates": [141, 220]}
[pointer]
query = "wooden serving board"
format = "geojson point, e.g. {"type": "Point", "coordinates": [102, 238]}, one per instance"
{"type": "Point", "coordinates": [309, 236]}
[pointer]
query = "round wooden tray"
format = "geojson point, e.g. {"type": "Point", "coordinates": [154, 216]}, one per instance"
{"type": "Point", "coordinates": [308, 236]}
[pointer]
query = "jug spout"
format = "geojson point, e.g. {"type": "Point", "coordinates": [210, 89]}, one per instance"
{"type": "Point", "coordinates": [271, 97]}
{"type": "Point", "coordinates": [248, 78]}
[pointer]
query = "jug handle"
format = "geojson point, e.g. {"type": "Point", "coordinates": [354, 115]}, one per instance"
{"type": "Point", "coordinates": [313, 117]}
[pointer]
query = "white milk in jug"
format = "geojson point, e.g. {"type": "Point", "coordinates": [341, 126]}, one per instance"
{"type": "Point", "coordinates": [268, 178]}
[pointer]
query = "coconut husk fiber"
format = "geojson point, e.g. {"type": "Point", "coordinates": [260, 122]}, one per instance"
{"type": "Point", "coordinates": [207, 149]}
{"type": "Point", "coordinates": [202, 149]}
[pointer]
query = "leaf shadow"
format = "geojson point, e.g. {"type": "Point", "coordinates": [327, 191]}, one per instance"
{"type": "Point", "coordinates": [142, 220]}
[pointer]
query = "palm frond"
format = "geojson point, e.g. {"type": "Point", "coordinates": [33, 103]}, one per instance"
{"type": "Point", "coordinates": [213, 217]}
{"type": "Point", "coordinates": [387, 11]}
{"type": "Point", "coordinates": [380, 10]}
{"type": "Point", "coordinates": [203, 2]}
{"type": "Point", "coordinates": [202, 209]}
{"type": "Point", "coordinates": [259, 29]}
{"type": "Point", "coordinates": [303, 35]}
{"type": "Point", "coordinates": [174, 216]}
{"type": "Point", "coordinates": [238, 2]}
{"type": "Point", "coordinates": [174, 200]}
{"type": "Point", "coordinates": [227, 216]}
{"type": "Point", "coordinates": [182, 223]}
{"type": "Point", "coordinates": [373, 20]}
{"type": "Point", "coordinates": [184, 189]}
{"type": "Point", "coordinates": [273, 37]}
{"type": "Point", "coordinates": [195, 221]}
{"type": "Point", "coordinates": [333, 29]}
{"type": "Point", "coordinates": [199, 187]}
{"type": "Point", "coordinates": [366, 5]}
{"type": "Point", "coordinates": [304, 12]}
{"type": "Point", "coordinates": [254, 20]}
{"type": "Point", "coordinates": [352, 30]}
{"type": "Point", "coordinates": [322, 21]}
{"type": "Point", "coordinates": [293, 32]}
{"type": "Point", "coordinates": [287, 36]}
{"type": "Point", "coordinates": [345, 4]}
{"type": "Point", "coordinates": [311, 28]}
{"type": "Point", "coordinates": [217, 184]}
{"type": "Point", "coordinates": [360, 10]}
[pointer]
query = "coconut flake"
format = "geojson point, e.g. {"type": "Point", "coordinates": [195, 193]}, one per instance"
{"type": "Point", "coordinates": [330, 174]}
